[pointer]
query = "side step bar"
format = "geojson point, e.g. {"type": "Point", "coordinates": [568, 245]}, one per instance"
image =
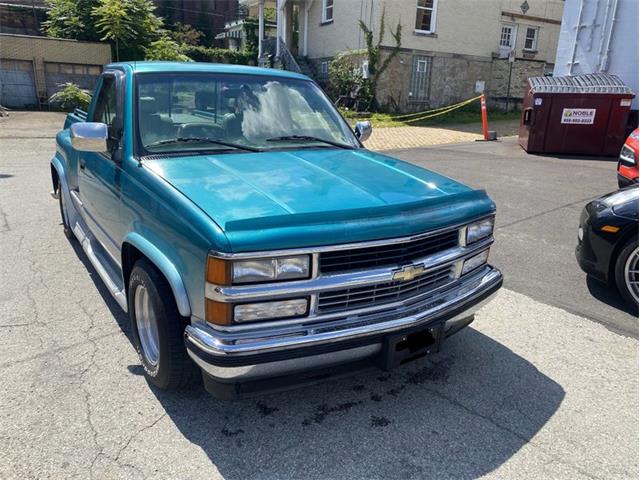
{"type": "Point", "coordinates": [109, 275]}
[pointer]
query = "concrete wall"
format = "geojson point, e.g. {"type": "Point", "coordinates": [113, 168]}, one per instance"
{"type": "Point", "coordinates": [41, 50]}
{"type": "Point", "coordinates": [343, 33]}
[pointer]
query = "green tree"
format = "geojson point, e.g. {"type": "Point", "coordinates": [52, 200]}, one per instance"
{"type": "Point", "coordinates": [130, 24]}
{"type": "Point", "coordinates": [185, 34]}
{"type": "Point", "coordinates": [373, 53]}
{"type": "Point", "coordinates": [71, 19]}
{"type": "Point", "coordinates": [165, 49]}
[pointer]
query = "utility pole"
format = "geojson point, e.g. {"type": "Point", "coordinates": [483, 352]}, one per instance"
{"type": "Point", "coordinates": [512, 59]}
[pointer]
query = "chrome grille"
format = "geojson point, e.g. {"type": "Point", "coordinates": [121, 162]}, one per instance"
{"type": "Point", "coordinates": [385, 255]}
{"type": "Point", "coordinates": [371, 295]}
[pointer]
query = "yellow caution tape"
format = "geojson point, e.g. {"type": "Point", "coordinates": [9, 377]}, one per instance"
{"type": "Point", "coordinates": [434, 112]}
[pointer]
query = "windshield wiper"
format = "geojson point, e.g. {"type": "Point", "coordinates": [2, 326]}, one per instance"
{"type": "Point", "coordinates": [215, 141]}
{"type": "Point", "coordinates": [308, 138]}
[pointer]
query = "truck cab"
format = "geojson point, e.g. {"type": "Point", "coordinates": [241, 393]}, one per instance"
{"type": "Point", "coordinates": [253, 239]}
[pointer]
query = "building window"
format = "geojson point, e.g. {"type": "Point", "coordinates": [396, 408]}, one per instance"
{"type": "Point", "coordinates": [420, 79]}
{"type": "Point", "coordinates": [531, 39]}
{"type": "Point", "coordinates": [327, 11]}
{"type": "Point", "coordinates": [426, 16]}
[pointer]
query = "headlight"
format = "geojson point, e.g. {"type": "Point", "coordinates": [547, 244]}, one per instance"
{"type": "Point", "coordinates": [620, 197]}
{"type": "Point", "coordinates": [474, 262]}
{"type": "Point", "coordinates": [227, 272]}
{"type": "Point", "coordinates": [250, 312]}
{"type": "Point", "coordinates": [479, 230]}
{"type": "Point", "coordinates": [628, 156]}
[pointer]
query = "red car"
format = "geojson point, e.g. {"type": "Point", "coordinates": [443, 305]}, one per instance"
{"type": "Point", "coordinates": [628, 162]}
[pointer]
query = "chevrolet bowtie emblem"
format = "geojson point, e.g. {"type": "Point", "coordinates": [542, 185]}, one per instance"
{"type": "Point", "coordinates": [408, 272]}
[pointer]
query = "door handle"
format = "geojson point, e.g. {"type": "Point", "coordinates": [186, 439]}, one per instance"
{"type": "Point", "coordinates": [82, 165]}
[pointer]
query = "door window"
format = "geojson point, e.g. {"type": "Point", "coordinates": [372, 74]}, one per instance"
{"type": "Point", "coordinates": [105, 110]}
{"type": "Point", "coordinates": [507, 39]}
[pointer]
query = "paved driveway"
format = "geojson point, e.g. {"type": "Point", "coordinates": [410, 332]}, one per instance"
{"type": "Point", "coordinates": [539, 200]}
{"type": "Point", "coordinates": [388, 138]}
{"type": "Point", "coordinates": [531, 390]}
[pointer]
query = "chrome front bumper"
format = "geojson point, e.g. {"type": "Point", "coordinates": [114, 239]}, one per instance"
{"type": "Point", "coordinates": [246, 355]}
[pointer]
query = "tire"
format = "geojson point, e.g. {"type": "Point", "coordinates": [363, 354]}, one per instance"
{"type": "Point", "coordinates": [161, 347]}
{"type": "Point", "coordinates": [626, 272]}
{"type": "Point", "coordinates": [65, 224]}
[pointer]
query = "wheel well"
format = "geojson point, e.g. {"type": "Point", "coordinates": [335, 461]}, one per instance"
{"type": "Point", "coordinates": [632, 232]}
{"type": "Point", "coordinates": [54, 178]}
{"type": "Point", "coordinates": [129, 256]}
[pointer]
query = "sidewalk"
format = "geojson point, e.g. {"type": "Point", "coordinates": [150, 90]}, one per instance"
{"type": "Point", "coordinates": [389, 138]}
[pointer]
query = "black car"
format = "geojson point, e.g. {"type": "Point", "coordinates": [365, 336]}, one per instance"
{"type": "Point", "coordinates": [608, 241]}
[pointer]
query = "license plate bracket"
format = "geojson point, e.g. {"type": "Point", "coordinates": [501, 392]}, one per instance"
{"type": "Point", "coordinates": [402, 348]}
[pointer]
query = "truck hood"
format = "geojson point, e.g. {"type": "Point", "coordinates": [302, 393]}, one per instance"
{"type": "Point", "coordinates": [287, 199]}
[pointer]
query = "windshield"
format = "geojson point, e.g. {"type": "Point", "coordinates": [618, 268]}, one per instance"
{"type": "Point", "coordinates": [191, 112]}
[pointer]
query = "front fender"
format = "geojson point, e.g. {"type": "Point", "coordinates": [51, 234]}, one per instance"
{"type": "Point", "coordinates": [166, 266]}
{"type": "Point", "coordinates": [58, 164]}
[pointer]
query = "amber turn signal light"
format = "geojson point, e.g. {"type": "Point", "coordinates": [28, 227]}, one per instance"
{"type": "Point", "coordinates": [218, 271]}
{"type": "Point", "coordinates": [218, 313]}
{"type": "Point", "coordinates": [610, 229]}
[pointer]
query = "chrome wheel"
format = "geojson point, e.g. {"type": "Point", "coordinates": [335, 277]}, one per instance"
{"type": "Point", "coordinates": [147, 325]}
{"type": "Point", "coordinates": [631, 274]}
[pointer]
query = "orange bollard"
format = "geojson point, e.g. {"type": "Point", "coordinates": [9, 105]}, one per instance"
{"type": "Point", "coordinates": [485, 125]}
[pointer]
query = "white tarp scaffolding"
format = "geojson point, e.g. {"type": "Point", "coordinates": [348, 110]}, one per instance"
{"type": "Point", "coordinates": [600, 36]}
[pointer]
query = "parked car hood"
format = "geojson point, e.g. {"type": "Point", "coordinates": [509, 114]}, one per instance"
{"type": "Point", "coordinates": [296, 198]}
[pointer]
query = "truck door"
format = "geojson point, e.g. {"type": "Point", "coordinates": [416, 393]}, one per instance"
{"type": "Point", "coordinates": [100, 174]}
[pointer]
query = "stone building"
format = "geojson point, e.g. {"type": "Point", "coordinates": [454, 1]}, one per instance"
{"type": "Point", "coordinates": [450, 49]}
{"type": "Point", "coordinates": [208, 16]}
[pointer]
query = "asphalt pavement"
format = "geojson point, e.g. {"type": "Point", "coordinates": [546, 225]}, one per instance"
{"type": "Point", "coordinates": [538, 199]}
{"type": "Point", "coordinates": [543, 385]}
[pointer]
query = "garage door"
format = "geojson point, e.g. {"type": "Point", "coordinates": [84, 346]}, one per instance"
{"type": "Point", "coordinates": [56, 74]}
{"type": "Point", "coordinates": [17, 88]}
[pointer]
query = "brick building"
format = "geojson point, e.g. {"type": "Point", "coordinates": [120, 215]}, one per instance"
{"type": "Point", "coordinates": [208, 16]}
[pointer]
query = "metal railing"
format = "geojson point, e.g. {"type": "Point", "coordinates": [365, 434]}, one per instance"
{"type": "Point", "coordinates": [287, 59]}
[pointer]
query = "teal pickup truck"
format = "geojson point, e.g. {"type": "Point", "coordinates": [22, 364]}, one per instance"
{"type": "Point", "coordinates": [237, 218]}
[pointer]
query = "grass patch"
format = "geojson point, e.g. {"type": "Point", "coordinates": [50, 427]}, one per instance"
{"type": "Point", "coordinates": [467, 114]}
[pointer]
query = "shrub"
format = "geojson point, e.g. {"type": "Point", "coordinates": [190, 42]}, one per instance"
{"type": "Point", "coordinates": [165, 49]}
{"type": "Point", "coordinates": [219, 55]}
{"type": "Point", "coordinates": [346, 80]}
{"type": "Point", "coordinates": [70, 96]}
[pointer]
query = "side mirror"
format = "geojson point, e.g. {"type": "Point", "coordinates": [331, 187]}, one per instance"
{"type": "Point", "coordinates": [363, 130]}
{"type": "Point", "coordinates": [89, 136]}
